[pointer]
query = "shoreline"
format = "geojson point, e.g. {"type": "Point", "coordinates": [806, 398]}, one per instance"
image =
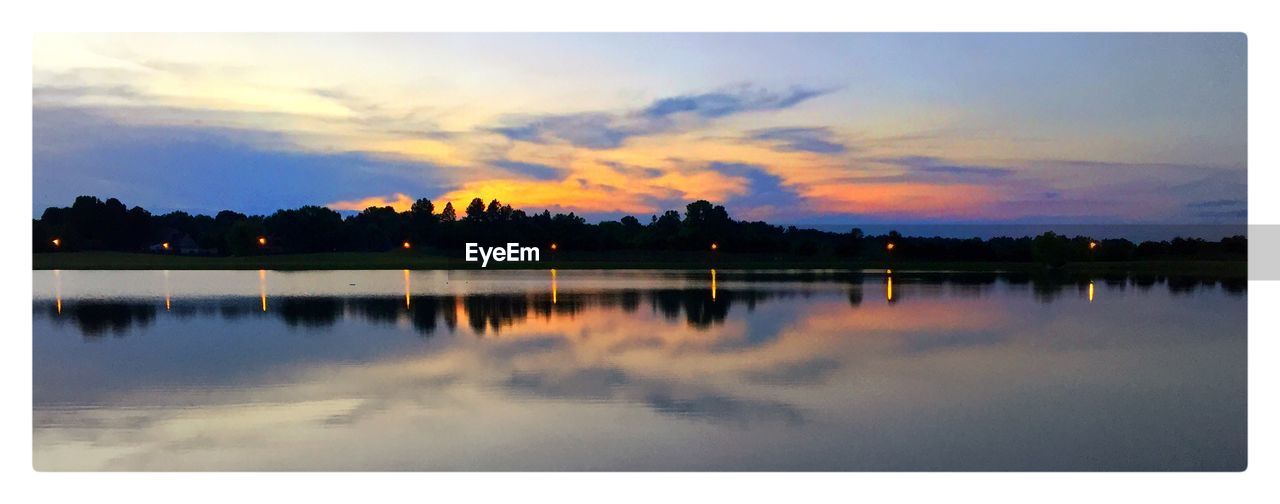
{"type": "Point", "coordinates": [603, 260]}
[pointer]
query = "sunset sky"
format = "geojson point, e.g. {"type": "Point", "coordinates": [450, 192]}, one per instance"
{"type": "Point", "coordinates": [789, 128]}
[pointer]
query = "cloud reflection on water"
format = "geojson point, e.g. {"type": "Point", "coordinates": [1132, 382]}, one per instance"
{"type": "Point", "coordinates": [957, 374]}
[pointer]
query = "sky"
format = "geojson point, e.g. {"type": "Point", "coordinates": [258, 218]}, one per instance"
{"type": "Point", "coordinates": [787, 128]}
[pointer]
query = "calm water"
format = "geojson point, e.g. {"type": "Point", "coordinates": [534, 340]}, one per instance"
{"type": "Point", "coordinates": [591, 370]}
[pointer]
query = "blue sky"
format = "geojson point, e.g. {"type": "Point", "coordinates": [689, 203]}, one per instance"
{"type": "Point", "coordinates": [791, 128]}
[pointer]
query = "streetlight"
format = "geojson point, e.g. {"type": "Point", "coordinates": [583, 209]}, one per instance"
{"type": "Point", "coordinates": [262, 241]}
{"type": "Point", "coordinates": [554, 246]}
{"type": "Point", "coordinates": [57, 242]}
{"type": "Point", "coordinates": [405, 245]}
{"type": "Point", "coordinates": [714, 246]}
{"type": "Point", "coordinates": [165, 245]}
{"type": "Point", "coordinates": [889, 246]}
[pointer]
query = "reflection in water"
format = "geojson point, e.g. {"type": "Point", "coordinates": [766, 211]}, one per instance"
{"type": "Point", "coordinates": [493, 312]}
{"type": "Point", "coordinates": [262, 288]}
{"type": "Point", "coordinates": [888, 287]}
{"type": "Point", "coordinates": [766, 371]}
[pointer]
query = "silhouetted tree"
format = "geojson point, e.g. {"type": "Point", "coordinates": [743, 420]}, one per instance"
{"type": "Point", "coordinates": [93, 224]}
{"type": "Point", "coordinates": [475, 211]}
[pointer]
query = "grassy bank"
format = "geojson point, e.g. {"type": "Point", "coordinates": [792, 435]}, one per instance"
{"type": "Point", "coordinates": [592, 260]}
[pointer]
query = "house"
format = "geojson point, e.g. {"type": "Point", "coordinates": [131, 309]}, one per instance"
{"type": "Point", "coordinates": [177, 242]}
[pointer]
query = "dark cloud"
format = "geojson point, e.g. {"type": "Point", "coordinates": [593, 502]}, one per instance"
{"type": "Point", "coordinates": [201, 169]}
{"type": "Point", "coordinates": [590, 130]}
{"type": "Point", "coordinates": [1219, 203]}
{"type": "Point", "coordinates": [937, 166]}
{"type": "Point", "coordinates": [532, 170]}
{"type": "Point", "coordinates": [615, 384]}
{"type": "Point", "coordinates": [950, 340]}
{"type": "Point", "coordinates": [633, 170]}
{"type": "Point", "coordinates": [1220, 210]}
{"type": "Point", "coordinates": [765, 191]}
{"type": "Point", "coordinates": [723, 408]}
{"type": "Point", "coordinates": [819, 140]}
{"type": "Point", "coordinates": [602, 130]}
{"type": "Point", "coordinates": [1225, 215]}
{"type": "Point", "coordinates": [806, 372]}
{"type": "Point", "coordinates": [723, 103]}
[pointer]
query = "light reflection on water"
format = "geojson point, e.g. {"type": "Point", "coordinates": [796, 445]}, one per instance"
{"type": "Point", "coordinates": [709, 370]}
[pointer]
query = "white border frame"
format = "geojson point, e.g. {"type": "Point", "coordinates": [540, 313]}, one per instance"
{"type": "Point", "coordinates": [655, 15]}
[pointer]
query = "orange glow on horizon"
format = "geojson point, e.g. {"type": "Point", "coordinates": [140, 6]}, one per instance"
{"type": "Point", "coordinates": [901, 199]}
{"type": "Point", "coordinates": [400, 202]}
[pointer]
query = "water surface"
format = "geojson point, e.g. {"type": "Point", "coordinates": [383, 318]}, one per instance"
{"type": "Point", "coordinates": [635, 370]}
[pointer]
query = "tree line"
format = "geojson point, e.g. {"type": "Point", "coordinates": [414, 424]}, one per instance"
{"type": "Point", "coordinates": [93, 224]}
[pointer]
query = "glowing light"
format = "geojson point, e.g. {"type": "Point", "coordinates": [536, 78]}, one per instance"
{"type": "Point", "coordinates": [713, 284]}
{"type": "Point", "coordinates": [1093, 245]}
{"type": "Point", "coordinates": [554, 246]}
{"type": "Point", "coordinates": [262, 241]}
{"type": "Point", "coordinates": [406, 284]}
{"type": "Point", "coordinates": [405, 245]}
{"type": "Point", "coordinates": [57, 242]}
{"type": "Point", "coordinates": [553, 286]}
{"type": "Point", "coordinates": [714, 246]}
{"type": "Point", "coordinates": [888, 290]}
{"type": "Point", "coordinates": [1090, 291]}
{"type": "Point", "coordinates": [57, 289]}
{"type": "Point", "coordinates": [165, 245]}
{"type": "Point", "coordinates": [262, 287]}
{"type": "Point", "coordinates": [889, 246]}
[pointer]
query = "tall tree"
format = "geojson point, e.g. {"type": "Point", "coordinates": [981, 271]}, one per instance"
{"type": "Point", "coordinates": [475, 211]}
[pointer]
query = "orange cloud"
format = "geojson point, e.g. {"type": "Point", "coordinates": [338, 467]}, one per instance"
{"type": "Point", "coordinates": [533, 195]}
{"type": "Point", "coordinates": [596, 187]}
{"type": "Point", "coordinates": [915, 199]}
{"type": "Point", "coordinates": [401, 202]}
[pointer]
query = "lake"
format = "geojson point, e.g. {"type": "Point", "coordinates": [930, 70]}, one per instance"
{"type": "Point", "coordinates": [636, 370]}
